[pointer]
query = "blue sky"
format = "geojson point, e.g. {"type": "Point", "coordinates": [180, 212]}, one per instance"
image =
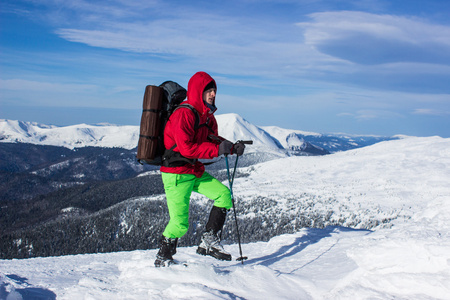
{"type": "Point", "coordinates": [352, 66]}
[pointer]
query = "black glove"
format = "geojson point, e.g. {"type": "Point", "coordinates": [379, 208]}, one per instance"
{"type": "Point", "coordinates": [225, 147]}
{"type": "Point", "coordinates": [238, 149]}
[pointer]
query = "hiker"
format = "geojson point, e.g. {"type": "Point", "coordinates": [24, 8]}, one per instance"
{"type": "Point", "coordinates": [180, 178]}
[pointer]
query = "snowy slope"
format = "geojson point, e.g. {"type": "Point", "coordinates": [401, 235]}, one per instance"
{"type": "Point", "coordinates": [408, 257]}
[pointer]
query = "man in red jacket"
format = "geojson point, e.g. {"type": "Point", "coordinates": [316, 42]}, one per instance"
{"type": "Point", "coordinates": [191, 134]}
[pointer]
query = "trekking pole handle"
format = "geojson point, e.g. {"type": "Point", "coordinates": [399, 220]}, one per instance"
{"type": "Point", "coordinates": [249, 142]}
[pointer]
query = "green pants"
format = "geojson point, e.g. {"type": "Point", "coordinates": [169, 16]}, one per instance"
{"type": "Point", "coordinates": [178, 189]}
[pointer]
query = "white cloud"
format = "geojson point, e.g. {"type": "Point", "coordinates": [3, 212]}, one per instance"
{"type": "Point", "coordinates": [366, 115]}
{"type": "Point", "coordinates": [41, 86]}
{"type": "Point", "coordinates": [345, 114]}
{"type": "Point", "coordinates": [231, 45]}
{"type": "Point", "coordinates": [431, 112]}
{"type": "Point", "coordinates": [368, 38]}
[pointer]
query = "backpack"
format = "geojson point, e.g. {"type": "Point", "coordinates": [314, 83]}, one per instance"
{"type": "Point", "coordinates": [158, 105]}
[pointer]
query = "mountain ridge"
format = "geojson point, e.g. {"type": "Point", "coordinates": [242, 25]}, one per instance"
{"type": "Point", "coordinates": [271, 139]}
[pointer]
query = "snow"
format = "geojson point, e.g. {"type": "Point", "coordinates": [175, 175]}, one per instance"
{"type": "Point", "coordinates": [405, 182]}
{"type": "Point", "coordinates": [81, 135]}
{"type": "Point", "coordinates": [233, 127]}
{"type": "Point", "coordinates": [280, 134]}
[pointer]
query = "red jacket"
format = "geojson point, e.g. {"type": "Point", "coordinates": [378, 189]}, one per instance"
{"type": "Point", "coordinates": [179, 129]}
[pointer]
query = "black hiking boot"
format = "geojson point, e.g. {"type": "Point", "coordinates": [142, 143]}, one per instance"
{"type": "Point", "coordinates": [210, 245]}
{"type": "Point", "coordinates": [167, 249]}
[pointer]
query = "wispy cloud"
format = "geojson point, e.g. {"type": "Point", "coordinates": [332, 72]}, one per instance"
{"type": "Point", "coordinates": [431, 112]}
{"type": "Point", "coordinates": [89, 13]}
{"type": "Point", "coordinates": [367, 38]}
{"type": "Point", "coordinates": [233, 46]}
{"type": "Point", "coordinates": [41, 86]}
{"type": "Point", "coordinates": [370, 115]}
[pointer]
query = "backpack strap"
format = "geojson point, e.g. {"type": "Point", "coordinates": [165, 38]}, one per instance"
{"type": "Point", "coordinates": [153, 110]}
{"type": "Point", "coordinates": [150, 137]}
{"type": "Point", "coordinates": [197, 117]}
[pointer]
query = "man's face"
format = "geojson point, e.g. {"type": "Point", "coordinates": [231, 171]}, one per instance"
{"type": "Point", "coordinates": [209, 96]}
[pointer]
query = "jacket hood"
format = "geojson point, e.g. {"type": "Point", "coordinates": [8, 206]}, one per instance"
{"type": "Point", "coordinates": [196, 86]}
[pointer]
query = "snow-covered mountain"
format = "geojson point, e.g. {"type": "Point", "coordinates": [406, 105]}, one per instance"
{"type": "Point", "coordinates": [233, 127]}
{"type": "Point", "coordinates": [272, 140]}
{"type": "Point", "coordinates": [106, 135]}
{"type": "Point", "coordinates": [296, 139]}
{"type": "Point", "coordinates": [386, 206]}
{"type": "Point", "coordinates": [82, 135]}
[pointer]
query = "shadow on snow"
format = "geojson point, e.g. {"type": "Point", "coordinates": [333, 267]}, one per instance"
{"type": "Point", "coordinates": [27, 293]}
{"type": "Point", "coordinates": [312, 236]}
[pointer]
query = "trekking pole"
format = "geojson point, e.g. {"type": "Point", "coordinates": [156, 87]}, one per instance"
{"type": "Point", "coordinates": [230, 182]}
